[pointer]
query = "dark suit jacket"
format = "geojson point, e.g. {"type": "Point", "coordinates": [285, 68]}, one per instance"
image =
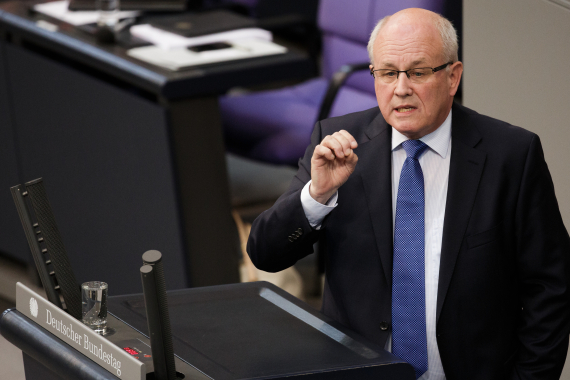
{"type": "Point", "coordinates": [503, 296]}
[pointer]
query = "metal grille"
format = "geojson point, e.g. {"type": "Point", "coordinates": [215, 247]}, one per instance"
{"type": "Point", "coordinates": [63, 271]}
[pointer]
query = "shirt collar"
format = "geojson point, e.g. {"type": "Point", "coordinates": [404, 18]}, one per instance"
{"type": "Point", "coordinates": [438, 140]}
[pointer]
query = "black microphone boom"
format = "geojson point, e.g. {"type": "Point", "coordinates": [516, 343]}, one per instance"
{"type": "Point", "coordinates": [154, 289]}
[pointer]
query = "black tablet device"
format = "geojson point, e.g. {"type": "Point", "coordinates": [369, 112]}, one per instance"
{"type": "Point", "coordinates": [199, 24]}
{"type": "Point", "coordinates": [132, 5]}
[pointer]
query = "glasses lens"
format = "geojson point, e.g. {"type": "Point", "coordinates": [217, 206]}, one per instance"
{"type": "Point", "coordinates": [387, 76]}
{"type": "Point", "coordinates": [419, 75]}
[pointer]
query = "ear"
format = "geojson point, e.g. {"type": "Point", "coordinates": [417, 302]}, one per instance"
{"type": "Point", "coordinates": [455, 72]}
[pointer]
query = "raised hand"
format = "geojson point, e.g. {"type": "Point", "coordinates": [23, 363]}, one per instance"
{"type": "Point", "coordinates": [332, 163]}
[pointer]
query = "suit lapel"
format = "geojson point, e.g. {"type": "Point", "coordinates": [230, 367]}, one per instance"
{"type": "Point", "coordinates": [466, 167]}
{"type": "Point", "coordinates": [375, 159]}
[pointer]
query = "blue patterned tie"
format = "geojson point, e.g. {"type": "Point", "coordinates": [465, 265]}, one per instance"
{"type": "Point", "coordinates": [409, 340]}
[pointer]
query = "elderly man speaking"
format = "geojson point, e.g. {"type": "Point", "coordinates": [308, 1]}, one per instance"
{"type": "Point", "coordinates": [443, 238]}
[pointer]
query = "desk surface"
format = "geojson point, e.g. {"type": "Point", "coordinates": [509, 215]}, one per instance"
{"type": "Point", "coordinates": [72, 43]}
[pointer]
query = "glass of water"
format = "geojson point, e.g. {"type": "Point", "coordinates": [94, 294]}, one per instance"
{"type": "Point", "coordinates": [108, 10]}
{"type": "Point", "coordinates": [94, 305]}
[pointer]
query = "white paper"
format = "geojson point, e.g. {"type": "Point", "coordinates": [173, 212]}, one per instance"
{"type": "Point", "coordinates": [60, 11]}
{"type": "Point", "coordinates": [167, 40]}
{"type": "Point", "coordinates": [180, 58]}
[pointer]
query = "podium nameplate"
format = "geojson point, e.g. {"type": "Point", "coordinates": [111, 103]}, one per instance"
{"type": "Point", "coordinates": [77, 335]}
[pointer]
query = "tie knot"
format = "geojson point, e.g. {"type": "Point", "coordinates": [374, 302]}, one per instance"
{"type": "Point", "coordinates": [414, 148]}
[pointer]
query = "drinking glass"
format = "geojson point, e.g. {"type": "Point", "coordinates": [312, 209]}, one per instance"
{"type": "Point", "coordinates": [94, 305]}
{"type": "Point", "coordinates": [108, 10]}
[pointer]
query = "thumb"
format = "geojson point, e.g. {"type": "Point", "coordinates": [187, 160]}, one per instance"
{"type": "Point", "coordinates": [352, 159]}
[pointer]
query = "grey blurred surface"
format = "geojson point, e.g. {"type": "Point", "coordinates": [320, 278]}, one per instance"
{"type": "Point", "coordinates": [516, 55]}
{"type": "Point", "coordinates": [253, 182]}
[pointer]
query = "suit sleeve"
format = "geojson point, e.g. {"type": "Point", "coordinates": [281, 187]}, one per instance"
{"type": "Point", "coordinates": [282, 235]}
{"type": "Point", "coordinates": [543, 259]}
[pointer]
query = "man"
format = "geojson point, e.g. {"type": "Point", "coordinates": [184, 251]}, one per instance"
{"type": "Point", "coordinates": [444, 242]}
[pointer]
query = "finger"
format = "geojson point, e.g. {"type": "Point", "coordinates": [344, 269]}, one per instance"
{"type": "Point", "coordinates": [343, 142]}
{"type": "Point", "coordinates": [334, 145]}
{"type": "Point", "coordinates": [323, 152]}
{"type": "Point", "coordinates": [350, 138]}
{"type": "Point", "coordinates": [352, 159]}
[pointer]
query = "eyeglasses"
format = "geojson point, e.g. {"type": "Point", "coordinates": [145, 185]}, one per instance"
{"type": "Point", "coordinates": [417, 75]}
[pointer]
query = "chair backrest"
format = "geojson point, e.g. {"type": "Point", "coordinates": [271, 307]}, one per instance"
{"type": "Point", "coordinates": [346, 28]}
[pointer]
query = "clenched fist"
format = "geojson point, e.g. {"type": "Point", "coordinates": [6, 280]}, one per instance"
{"type": "Point", "coordinates": [332, 163]}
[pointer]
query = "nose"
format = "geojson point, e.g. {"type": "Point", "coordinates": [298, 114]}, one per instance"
{"type": "Point", "coordinates": [403, 88]}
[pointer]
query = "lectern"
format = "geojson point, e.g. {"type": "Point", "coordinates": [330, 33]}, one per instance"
{"type": "Point", "coordinates": [227, 332]}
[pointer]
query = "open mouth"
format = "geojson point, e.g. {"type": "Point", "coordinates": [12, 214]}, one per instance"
{"type": "Point", "coordinates": [404, 109]}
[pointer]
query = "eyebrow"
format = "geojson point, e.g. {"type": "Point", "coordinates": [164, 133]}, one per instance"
{"type": "Point", "coordinates": [414, 63]}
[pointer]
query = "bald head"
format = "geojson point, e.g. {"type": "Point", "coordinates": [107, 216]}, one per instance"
{"type": "Point", "coordinates": [423, 22]}
{"type": "Point", "coordinates": [416, 14]}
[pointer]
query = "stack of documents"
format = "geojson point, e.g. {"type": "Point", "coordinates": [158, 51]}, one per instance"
{"type": "Point", "coordinates": [171, 51]}
{"type": "Point", "coordinates": [59, 10]}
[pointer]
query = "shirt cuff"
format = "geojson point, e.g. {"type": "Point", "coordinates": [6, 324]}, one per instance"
{"type": "Point", "coordinates": [315, 211]}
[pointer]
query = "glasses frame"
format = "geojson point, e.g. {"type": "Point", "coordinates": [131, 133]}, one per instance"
{"type": "Point", "coordinates": [433, 69]}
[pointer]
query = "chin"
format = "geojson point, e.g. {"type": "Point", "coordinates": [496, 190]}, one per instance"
{"type": "Point", "coordinates": [407, 129]}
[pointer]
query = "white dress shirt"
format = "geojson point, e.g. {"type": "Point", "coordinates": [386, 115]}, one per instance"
{"type": "Point", "coordinates": [435, 167]}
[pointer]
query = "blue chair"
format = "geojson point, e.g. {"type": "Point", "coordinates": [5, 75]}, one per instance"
{"type": "Point", "coordinates": [275, 126]}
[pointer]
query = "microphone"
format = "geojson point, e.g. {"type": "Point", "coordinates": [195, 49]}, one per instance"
{"type": "Point", "coordinates": [154, 289]}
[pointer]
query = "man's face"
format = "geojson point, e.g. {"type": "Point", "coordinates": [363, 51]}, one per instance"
{"type": "Point", "coordinates": [414, 109]}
